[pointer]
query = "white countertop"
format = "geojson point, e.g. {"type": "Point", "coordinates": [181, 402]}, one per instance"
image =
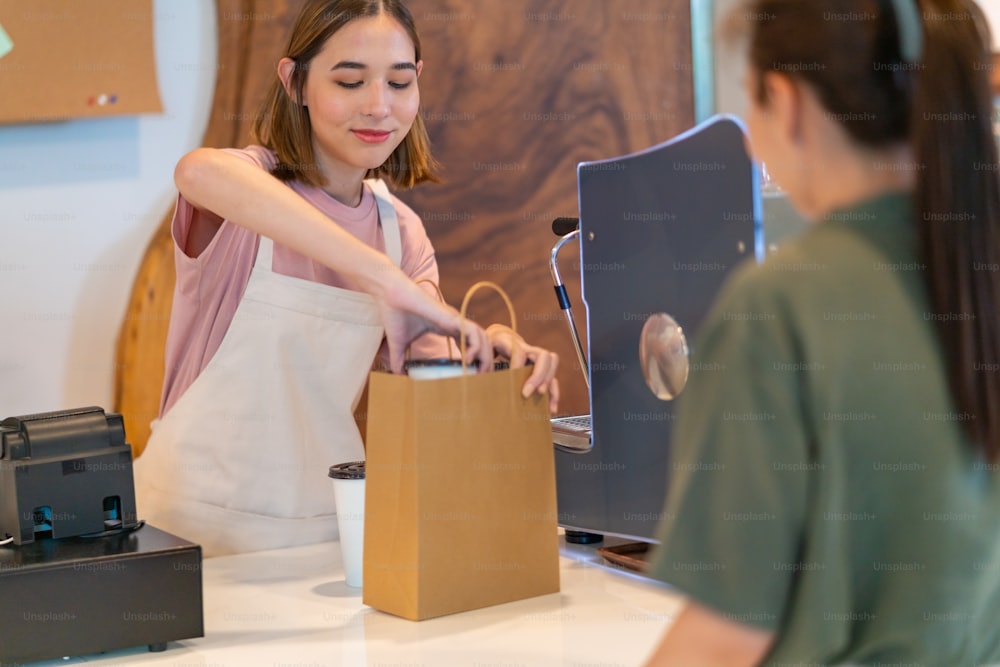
{"type": "Point", "coordinates": [291, 608]}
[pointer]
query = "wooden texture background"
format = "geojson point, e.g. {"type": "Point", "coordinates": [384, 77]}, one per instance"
{"type": "Point", "coordinates": [514, 95]}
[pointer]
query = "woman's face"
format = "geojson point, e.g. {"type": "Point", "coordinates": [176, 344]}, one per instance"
{"type": "Point", "coordinates": [361, 94]}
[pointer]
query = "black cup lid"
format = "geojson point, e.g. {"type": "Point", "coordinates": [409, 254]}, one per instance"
{"type": "Point", "coordinates": [353, 470]}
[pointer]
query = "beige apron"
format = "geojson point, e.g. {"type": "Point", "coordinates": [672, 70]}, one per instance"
{"type": "Point", "coordinates": [239, 463]}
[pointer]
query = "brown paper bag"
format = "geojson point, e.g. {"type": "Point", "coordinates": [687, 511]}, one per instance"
{"type": "Point", "coordinates": [460, 499]}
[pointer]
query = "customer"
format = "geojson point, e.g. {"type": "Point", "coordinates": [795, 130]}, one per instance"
{"type": "Point", "coordinates": [834, 496]}
{"type": "Point", "coordinates": [291, 269]}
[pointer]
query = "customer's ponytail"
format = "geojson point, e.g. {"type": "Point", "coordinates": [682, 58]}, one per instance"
{"type": "Point", "coordinates": [957, 201]}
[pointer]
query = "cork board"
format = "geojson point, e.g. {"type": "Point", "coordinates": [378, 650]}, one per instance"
{"type": "Point", "coordinates": [67, 59]}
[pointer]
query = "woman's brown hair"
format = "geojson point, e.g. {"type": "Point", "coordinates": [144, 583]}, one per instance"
{"type": "Point", "coordinates": [283, 124]}
{"type": "Point", "coordinates": [850, 53]}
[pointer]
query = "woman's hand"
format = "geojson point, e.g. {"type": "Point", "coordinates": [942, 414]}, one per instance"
{"type": "Point", "coordinates": [408, 312]}
{"type": "Point", "coordinates": [543, 375]}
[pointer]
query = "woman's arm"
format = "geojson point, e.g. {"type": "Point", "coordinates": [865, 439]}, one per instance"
{"type": "Point", "coordinates": [700, 637]}
{"type": "Point", "coordinates": [241, 192]}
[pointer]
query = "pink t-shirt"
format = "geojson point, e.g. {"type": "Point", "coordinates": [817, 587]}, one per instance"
{"type": "Point", "coordinates": [211, 285]}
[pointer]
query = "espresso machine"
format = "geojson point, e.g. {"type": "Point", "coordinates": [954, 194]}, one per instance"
{"type": "Point", "coordinates": [658, 233]}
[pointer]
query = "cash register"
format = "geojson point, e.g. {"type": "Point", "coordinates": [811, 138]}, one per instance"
{"type": "Point", "coordinates": [79, 572]}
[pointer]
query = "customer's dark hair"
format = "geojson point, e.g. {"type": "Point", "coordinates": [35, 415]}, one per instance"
{"type": "Point", "coordinates": [849, 52]}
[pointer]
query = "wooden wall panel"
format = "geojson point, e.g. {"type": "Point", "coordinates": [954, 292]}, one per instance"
{"type": "Point", "coordinates": [515, 94]}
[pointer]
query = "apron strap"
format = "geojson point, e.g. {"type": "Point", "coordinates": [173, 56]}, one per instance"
{"type": "Point", "coordinates": [389, 220]}
{"type": "Point", "coordinates": [265, 251]}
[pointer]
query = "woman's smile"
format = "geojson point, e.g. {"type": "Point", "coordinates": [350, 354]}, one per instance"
{"type": "Point", "coordinates": [372, 136]}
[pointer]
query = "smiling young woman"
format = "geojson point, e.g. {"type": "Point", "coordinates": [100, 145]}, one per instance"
{"type": "Point", "coordinates": [295, 268]}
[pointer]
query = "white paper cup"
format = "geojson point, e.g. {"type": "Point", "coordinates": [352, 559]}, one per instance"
{"type": "Point", "coordinates": [435, 369]}
{"type": "Point", "coordinates": [349, 494]}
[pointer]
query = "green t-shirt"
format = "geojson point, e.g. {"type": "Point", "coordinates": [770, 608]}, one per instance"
{"type": "Point", "coordinates": [820, 484]}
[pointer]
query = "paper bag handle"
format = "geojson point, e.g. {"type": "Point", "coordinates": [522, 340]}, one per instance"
{"type": "Point", "coordinates": [465, 306]}
{"type": "Point", "coordinates": [451, 345]}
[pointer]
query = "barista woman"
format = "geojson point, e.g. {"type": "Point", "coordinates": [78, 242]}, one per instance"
{"type": "Point", "coordinates": [292, 271]}
{"type": "Point", "coordinates": [834, 496]}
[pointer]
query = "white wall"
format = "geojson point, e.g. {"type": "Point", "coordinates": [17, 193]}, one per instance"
{"type": "Point", "coordinates": [992, 10]}
{"type": "Point", "coordinates": [79, 202]}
